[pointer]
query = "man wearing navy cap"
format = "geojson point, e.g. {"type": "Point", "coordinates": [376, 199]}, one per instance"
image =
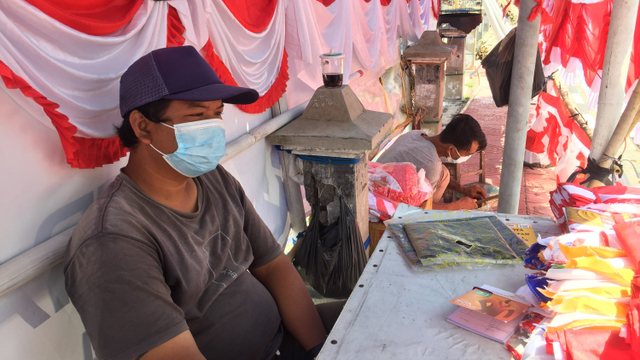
{"type": "Point", "coordinates": [172, 261]}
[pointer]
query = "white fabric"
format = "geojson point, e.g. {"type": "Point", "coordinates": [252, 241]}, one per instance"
{"type": "Point", "coordinates": [419, 15]}
{"type": "Point", "coordinates": [304, 42]}
{"type": "Point", "coordinates": [568, 318]}
{"type": "Point", "coordinates": [369, 42]}
{"type": "Point", "coordinates": [494, 15]}
{"type": "Point", "coordinates": [253, 59]}
{"type": "Point", "coordinates": [335, 24]}
{"type": "Point", "coordinates": [567, 285]}
{"type": "Point", "coordinates": [79, 72]}
{"type": "Point", "coordinates": [574, 274]}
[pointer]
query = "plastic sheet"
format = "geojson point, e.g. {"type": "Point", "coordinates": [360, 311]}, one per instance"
{"type": "Point", "coordinates": [441, 244]}
{"type": "Point", "coordinates": [332, 257]}
{"type": "Point", "coordinates": [499, 64]}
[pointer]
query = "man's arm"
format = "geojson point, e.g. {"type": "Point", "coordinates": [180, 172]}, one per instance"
{"type": "Point", "coordinates": [181, 347]}
{"type": "Point", "coordinates": [298, 313]}
{"type": "Point", "coordinates": [474, 191]}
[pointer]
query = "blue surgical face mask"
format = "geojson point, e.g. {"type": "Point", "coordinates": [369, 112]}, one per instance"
{"type": "Point", "coordinates": [201, 145]}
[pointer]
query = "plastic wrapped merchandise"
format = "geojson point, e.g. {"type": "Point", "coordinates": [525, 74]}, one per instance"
{"type": "Point", "coordinates": [441, 244]}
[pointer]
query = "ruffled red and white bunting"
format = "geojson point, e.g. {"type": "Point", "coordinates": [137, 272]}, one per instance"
{"type": "Point", "coordinates": [73, 75]}
{"type": "Point", "coordinates": [68, 55]}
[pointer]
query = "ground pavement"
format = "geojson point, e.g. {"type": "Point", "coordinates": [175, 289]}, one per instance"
{"type": "Point", "coordinates": [536, 182]}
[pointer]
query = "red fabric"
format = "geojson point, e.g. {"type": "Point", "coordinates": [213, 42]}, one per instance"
{"type": "Point", "coordinates": [93, 17]}
{"type": "Point", "coordinates": [80, 152]}
{"type": "Point", "coordinates": [275, 92]}
{"type": "Point", "coordinates": [569, 195]}
{"type": "Point", "coordinates": [633, 316]}
{"type": "Point", "coordinates": [552, 130]}
{"type": "Point", "coordinates": [580, 31]}
{"type": "Point", "coordinates": [590, 344]}
{"type": "Point", "coordinates": [175, 29]}
{"type": "Point", "coordinates": [618, 194]}
{"type": "Point", "coordinates": [326, 2]}
{"type": "Point", "coordinates": [265, 101]}
{"type": "Point", "coordinates": [634, 64]}
{"type": "Point", "coordinates": [435, 8]}
{"type": "Point", "coordinates": [254, 15]}
{"type": "Point", "coordinates": [628, 234]}
{"type": "Point", "coordinates": [406, 176]}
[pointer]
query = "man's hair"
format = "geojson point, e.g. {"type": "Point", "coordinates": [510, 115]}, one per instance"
{"type": "Point", "coordinates": [462, 131]}
{"type": "Point", "coordinates": [154, 111]}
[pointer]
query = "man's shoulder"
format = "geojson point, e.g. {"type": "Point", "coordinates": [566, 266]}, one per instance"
{"type": "Point", "coordinates": [221, 182]}
{"type": "Point", "coordinates": [110, 213]}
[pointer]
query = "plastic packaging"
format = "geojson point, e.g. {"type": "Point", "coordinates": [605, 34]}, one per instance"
{"type": "Point", "coordinates": [332, 258]}
{"type": "Point", "coordinates": [394, 183]}
{"type": "Point", "coordinates": [441, 244]}
{"type": "Point", "coordinates": [498, 65]}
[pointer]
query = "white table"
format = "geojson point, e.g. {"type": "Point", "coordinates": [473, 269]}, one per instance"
{"type": "Point", "coordinates": [398, 313]}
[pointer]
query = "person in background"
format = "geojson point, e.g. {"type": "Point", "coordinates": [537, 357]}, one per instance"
{"type": "Point", "coordinates": [172, 261]}
{"type": "Point", "coordinates": [460, 139]}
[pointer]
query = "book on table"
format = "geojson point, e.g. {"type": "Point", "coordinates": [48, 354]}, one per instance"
{"type": "Point", "coordinates": [489, 312]}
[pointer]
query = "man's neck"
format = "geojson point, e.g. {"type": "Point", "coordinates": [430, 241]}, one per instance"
{"type": "Point", "coordinates": [441, 148]}
{"type": "Point", "coordinates": [162, 183]}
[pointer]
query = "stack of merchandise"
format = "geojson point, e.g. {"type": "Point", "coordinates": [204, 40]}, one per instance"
{"type": "Point", "coordinates": [588, 284]}
{"type": "Point", "coordinates": [394, 183]}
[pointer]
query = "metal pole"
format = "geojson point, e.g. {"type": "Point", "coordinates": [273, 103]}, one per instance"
{"type": "Point", "coordinates": [524, 60]}
{"type": "Point", "coordinates": [614, 73]}
{"type": "Point", "coordinates": [291, 188]}
{"type": "Point", "coordinates": [620, 134]}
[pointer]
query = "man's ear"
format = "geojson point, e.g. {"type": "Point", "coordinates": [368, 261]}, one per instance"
{"type": "Point", "coordinates": [140, 125]}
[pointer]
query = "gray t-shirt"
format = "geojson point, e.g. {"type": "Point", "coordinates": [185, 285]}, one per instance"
{"type": "Point", "coordinates": [140, 273]}
{"type": "Point", "coordinates": [412, 147]}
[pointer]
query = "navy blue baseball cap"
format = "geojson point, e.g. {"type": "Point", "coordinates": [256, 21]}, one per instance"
{"type": "Point", "coordinates": [176, 73]}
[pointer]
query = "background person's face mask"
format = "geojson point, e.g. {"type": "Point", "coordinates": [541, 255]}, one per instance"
{"type": "Point", "coordinates": [459, 160]}
{"type": "Point", "coordinates": [201, 145]}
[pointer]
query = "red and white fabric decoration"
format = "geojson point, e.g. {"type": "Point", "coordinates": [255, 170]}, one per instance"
{"type": "Point", "coordinates": [74, 75]}
{"type": "Point", "coordinates": [555, 139]}
{"type": "Point", "coordinates": [577, 31]}
{"type": "Point", "coordinates": [68, 55]}
{"type": "Point", "coordinates": [618, 194]}
{"type": "Point", "coordinates": [395, 183]}
{"type": "Point", "coordinates": [569, 195]}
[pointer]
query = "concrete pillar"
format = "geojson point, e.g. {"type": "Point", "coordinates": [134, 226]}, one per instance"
{"type": "Point", "coordinates": [524, 61]}
{"type": "Point", "coordinates": [427, 59]}
{"type": "Point", "coordinates": [614, 73]}
{"type": "Point", "coordinates": [325, 182]}
{"type": "Point", "coordinates": [335, 124]}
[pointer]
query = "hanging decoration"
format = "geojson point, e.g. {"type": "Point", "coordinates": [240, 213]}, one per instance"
{"type": "Point", "coordinates": [554, 139]}
{"type": "Point", "coordinates": [68, 55]}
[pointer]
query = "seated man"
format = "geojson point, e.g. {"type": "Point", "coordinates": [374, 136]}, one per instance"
{"type": "Point", "coordinates": [456, 143]}
{"type": "Point", "coordinates": [172, 261]}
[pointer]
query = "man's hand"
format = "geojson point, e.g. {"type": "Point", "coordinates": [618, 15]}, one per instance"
{"type": "Point", "coordinates": [475, 191]}
{"type": "Point", "coordinates": [298, 313]}
{"type": "Point", "coordinates": [466, 203]}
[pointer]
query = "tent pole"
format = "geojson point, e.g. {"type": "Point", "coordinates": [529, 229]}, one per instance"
{"type": "Point", "coordinates": [621, 132]}
{"type": "Point", "coordinates": [291, 188]}
{"type": "Point", "coordinates": [524, 61]}
{"type": "Point", "coordinates": [614, 73]}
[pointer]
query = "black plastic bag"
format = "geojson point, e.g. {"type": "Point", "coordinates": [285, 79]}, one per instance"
{"type": "Point", "coordinates": [498, 65]}
{"type": "Point", "coordinates": [332, 258]}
